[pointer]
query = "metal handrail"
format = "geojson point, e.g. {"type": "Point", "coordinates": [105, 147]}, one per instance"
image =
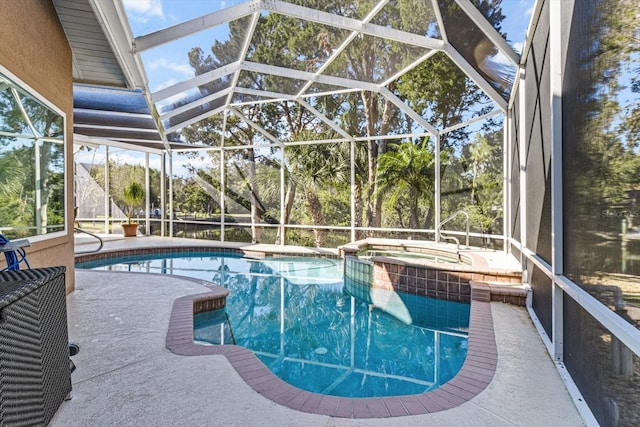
{"type": "Point", "coordinates": [455, 239]}
{"type": "Point", "coordinates": [455, 214]}
{"type": "Point", "coordinates": [80, 230]}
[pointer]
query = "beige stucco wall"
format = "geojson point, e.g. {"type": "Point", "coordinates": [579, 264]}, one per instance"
{"type": "Point", "coordinates": [34, 48]}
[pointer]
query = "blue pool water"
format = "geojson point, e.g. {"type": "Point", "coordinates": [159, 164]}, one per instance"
{"type": "Point", "coordinates": [317, 332]}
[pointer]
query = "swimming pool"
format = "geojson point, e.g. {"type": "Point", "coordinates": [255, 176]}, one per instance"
{"type": "Point", "coordinates": [315, 331]}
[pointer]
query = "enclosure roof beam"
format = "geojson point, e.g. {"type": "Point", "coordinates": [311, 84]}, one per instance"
{"type": "Point", "coordinates": [350, 24]}
{"type": "Point", "coordinates": [195, 104]}
{"type": "Point", "coordinates": [326, 120]}
{"type": "Point", "coordinates": [199, 80]}
{"type": "Point", "coordinates": [115, 25]}
{"type": "Point", "coordinates": [336, 52]}
{"type": "Point", "coordinates": [471, 121]}
{"type": "Point", "coordinates": [408, 111]}
{"type": "Point", "coordinates": [327, 93]}
{"type": "Point", "coordinates": [193, 26]}
{"type": "Point", "coordinates": [409, 67]}
{"type": "Point", "coordinates": [243, 52]}
{"type": "Point", "coordinates": [305, 75]}
{"type": "Point", "coordinates": [113, 20]}
{"type": "Point", "coordinates": [79, 139]}
{"type": "Point", "coordinates": [257, 127]}
{"type": "Point", "coordinates": [438, 13]}
{"type": "Point", "coordinates": [196, 119]}
{"type": "Point", "coordinates": [488, 30]}
{"type": "Point", "coordinates": [476, 77]}
{"type": "Point", "coordinates": [116, 128]}
{"type": "Point", "coordinates": [275, 96]}
{"type": "Point", "coordinates": [112, 113]}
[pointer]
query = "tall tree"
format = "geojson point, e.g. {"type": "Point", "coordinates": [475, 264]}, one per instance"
{"type": "Point", "coordinates": [406, 176]}
{"type": "Point", "coordinates": [312, 166]}
{"type": "Point", "coordinates": [484, 179]}
{"type": "Point", "coordinates": [442, 93]}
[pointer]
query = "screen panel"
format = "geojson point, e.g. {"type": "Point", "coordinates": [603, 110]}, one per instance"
{"type": "Point", "coordinates": [601, 110]}
{"type": "Point", "coordinates": [603, 368]}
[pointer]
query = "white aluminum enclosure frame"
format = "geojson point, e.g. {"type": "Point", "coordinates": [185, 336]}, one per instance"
{"type": "Point", "coordinates": [128, 49]}
{"type": "Point", "coordinates": [356, 27]}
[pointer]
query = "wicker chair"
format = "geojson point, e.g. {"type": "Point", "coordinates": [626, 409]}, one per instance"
{"type": "Point", "coordinates": [35, 374]}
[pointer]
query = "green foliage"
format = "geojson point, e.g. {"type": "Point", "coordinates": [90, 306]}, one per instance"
{"type": "Point", "coordinates": [440, 92]}
{"type": "Point", "coordinates": [133, 195]}
{"type": "Point", "coordinates": [314, 169]}
{"type": "Point", "coordinates": [31, 201]}
{"type": "Point", "coordinates": [189, 197]}
{"type": "Point", "coordinates": [18, 186]}
{"type": "Point", "coordinates": [121, 174]}
{"type": "Point", "coordinates": [12, 175]}
{"type": "Point", "coordinates": [237, 234]}
{"type": "Point", "coordinates": [300, 238]}
{"type": "Point", "coordinates": [605, 165]}
{"type": "Point", "coordinates": [484, 176]}
{"type": "Point", "coordinates": [14, 213]}
{"type": "Point", "coordinates": [406, 175]}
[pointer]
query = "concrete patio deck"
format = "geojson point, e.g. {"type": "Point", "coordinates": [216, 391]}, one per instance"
{"type": "Point", "coordinates": [125, 376]}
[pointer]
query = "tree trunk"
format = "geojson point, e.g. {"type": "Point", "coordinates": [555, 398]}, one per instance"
{"type": "Point", "coordinates": [382, 148]}
{"type": "Point", "coordinates": [256, 232]}
{"type": "Point", "coordinates": [428, 220]}
{"type": "Point", "coordinates": [43, 187]}
{"type": "Point", "coordinates": [289, 197]}
{"type": "Point", "coordinates": [400, 212]}
{"type": "Point", "coordinates": [372, 154]}
{"type": "Point", "coordinates": [413, 208]}
{"type": "Point", "coordinates": [315, 207]}
{"type": "Point", "coordinates": [358, 208]}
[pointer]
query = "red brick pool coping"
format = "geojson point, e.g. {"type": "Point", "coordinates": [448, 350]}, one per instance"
{"type": "Point", "coordinates": [474, 376]}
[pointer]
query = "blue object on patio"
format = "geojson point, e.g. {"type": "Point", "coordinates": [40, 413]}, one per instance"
{"type": "Point", "coordinates": [14, 253]}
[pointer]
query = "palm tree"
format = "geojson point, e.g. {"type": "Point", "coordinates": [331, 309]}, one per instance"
{"type": "Point", "coordinates": [406, 174]}
{"type": "Point", "coordinates": [310, 167]}
{"type": "Point", "coordinates": [12, 175]}
{"type": "Point", "coordinates": [13, 199]}
{"type": "Point", "coordinates": [133, 196]}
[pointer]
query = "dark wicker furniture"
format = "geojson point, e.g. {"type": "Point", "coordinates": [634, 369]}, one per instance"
{"type": "Point", "coordinates": [35, 374]}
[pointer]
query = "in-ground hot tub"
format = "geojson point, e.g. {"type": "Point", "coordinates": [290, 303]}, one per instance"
{"type": "Point", "coordinates": [428, 269]}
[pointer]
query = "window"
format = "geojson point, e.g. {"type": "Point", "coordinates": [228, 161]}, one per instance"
{"type": "Point", "coordinates": [32, 163]}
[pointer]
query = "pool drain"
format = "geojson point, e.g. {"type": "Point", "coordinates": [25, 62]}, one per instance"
{"type": "Point", "coordinates": [321, 350]}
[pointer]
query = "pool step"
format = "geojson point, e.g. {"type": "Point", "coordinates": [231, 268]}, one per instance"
{"type": "Point", "coordinates": [510, 293]}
